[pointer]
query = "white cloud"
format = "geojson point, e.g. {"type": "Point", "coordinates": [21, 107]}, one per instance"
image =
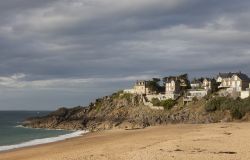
{"type": "Point", "coordinates": [18, 81]}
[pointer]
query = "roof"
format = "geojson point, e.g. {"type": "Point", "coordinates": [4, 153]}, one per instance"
{"type": "Point", "coordinates": [141, 81]}
{"type": "Point", "coordinates": [171, 78]}
{"type": "Point", "coordinates": [201, 80]}
{"type": "Point", "coordinates": [226, 75]}
{"type": "Point", "coordinates": [195, 81]}
{"type": "Point", "coordinates": [209, 79]}
{"type": "Point", "coordinates": [242, 76]}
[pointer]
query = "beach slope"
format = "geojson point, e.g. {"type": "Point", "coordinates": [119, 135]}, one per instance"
{"type": "Point", "coordinates": [222, 141]}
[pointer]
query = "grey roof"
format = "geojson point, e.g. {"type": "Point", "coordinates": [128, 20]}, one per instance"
{"type": "Point", "coordinates": [226, 75]}
{"type": "Point", "coordinates": [242, 76]}
{"type": "Point", "coordinates": [196, 81]}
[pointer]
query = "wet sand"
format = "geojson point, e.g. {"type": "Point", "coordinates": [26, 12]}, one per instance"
{"type": "Point", "coordinates": [222, 141]}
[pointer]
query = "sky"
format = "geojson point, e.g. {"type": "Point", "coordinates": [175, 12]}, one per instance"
{"type": "Point", "coordinates": [56, 53]}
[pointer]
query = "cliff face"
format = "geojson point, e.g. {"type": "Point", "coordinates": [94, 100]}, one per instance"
{"type": "Point", "coordinates": [122, 111]}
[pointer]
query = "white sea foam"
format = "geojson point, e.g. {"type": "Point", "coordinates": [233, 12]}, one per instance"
{"type": "Point", "coordinates": [43, 141]}
{"type": "Point", "coordinates": [21, 126]}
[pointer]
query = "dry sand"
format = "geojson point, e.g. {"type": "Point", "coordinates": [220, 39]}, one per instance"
{"type": "Point", "coordinates": [229, 141]}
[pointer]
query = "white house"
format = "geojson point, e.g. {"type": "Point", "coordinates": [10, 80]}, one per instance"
{"type": "Point", "coordinates": [141, 87]}
{"type": "Point", "coordinates": [246, 93]}
{"type": "Point", "coordinates": [196, 83]}
{"type": "Point", "coordinates": [172, 89]}
{"type": "Point", "coordinates": [240, 82]}
{"type": "Point", "coordinates": [236, 81]}
{"type": "Point", "coordinates": [207, 84]}
{"type": "Point", "coordinates": [131, 91]}
{"type": "Point", "coordinates": [224, 79]}
{"type": "Point", "coordinates": [198, 93]}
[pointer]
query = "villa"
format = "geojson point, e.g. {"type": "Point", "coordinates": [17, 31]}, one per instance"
{"type": "Point", "coordinates": [233, 84]}
{"type": "Point", "coordinates": [172, 88]}
{"type": "Point", "coordinates": [140, 87]}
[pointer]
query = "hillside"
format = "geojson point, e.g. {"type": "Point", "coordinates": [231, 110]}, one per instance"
{"type": "Point", "coordinates": [126, 111]}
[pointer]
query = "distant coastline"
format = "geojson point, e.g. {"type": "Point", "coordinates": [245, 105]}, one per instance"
{"type": "Point", "coordinates": [14, 135]}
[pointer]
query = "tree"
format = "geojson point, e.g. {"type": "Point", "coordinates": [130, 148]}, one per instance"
{"type": "Point", "coordinates": [157, 80]}
{"type": "Point", "coordinates": [214, 85]}
{"type": "Point", "coordinates": [154, 85]}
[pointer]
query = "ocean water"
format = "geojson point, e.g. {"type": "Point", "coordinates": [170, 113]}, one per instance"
{"type": "Point", "coordinates": [13, 136]}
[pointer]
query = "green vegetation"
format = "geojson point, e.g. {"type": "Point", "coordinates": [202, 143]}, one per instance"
{"type": "Point", "coordinates": [195, 99]}
{"type": "Point", "coordinates": [214, 85]}
{"type": "Point", "coordinates": [237, 107]}
{"type": "Point", "coordinates": [116, 94]}
{"type": "Point", "coordinates": [167, 104]}
{"type": "Point", "coordinates": [98, 106]}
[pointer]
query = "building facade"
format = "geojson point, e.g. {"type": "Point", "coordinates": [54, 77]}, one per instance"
{"type": "Point", "coordinates": [224, 79]}
{"type": "Point", "coordinates": [197, 93]}
{"type": "Point", "coordinates": [140, 87]}
{"type": "Point", "coordinates": [172, 88]}
{"type": "Point", "coordinates": [234, 81]}
{"type": "Point", "coordinates": [207, 84]}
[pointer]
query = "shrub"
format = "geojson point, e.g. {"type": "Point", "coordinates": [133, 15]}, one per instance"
{"type": "Point", "coordinates": [117, 94]}
{"type": "Point", "coordinates": [237, 107]}
{"type": "Point", "coordinates": [155, 101]}
{"type": "Point", "coordinates": [214, 104]}
{"type": "Point", "coordinates": [167, 104]}
{"type": "Point", "coordinates": [127, 96]}
{"type": "Point", "coordinates": [195, 99]}
{"type": "Point", "coordinates": [236, 113]}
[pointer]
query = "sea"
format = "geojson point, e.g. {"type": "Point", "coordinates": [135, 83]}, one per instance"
{"type": "Point", "coordinates": [13, 135]}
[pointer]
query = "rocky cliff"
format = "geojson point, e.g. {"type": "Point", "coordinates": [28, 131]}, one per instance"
{"type": "Point", "coordinates": [123, 111]}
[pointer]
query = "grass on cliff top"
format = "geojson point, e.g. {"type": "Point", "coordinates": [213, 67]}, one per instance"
{"type": "Point", "coordinates": [122, 95]}
{"type": "Point", "coordinates": [116, 95]}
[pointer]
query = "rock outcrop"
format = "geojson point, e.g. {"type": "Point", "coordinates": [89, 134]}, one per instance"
{"type": "Point", "coordinates": [124, 111]}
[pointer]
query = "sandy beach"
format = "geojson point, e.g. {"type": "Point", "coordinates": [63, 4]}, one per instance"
{"type": "Point", "coordinates": [223, 141]}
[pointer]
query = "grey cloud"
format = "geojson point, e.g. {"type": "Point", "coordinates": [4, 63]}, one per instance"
{"type": "Point", "coordinates": [80, 39]}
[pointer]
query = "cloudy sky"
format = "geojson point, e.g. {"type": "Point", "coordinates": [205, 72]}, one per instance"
{"type": "Point", "coordinates": [68, 52]}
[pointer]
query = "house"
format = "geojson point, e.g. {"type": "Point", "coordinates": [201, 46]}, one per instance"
{"type": "Point", "coordinates": [141, 87]}
{"type": "Point", "coordinates": [234, 84]}
{"type": "Point", "coordinates": [234, 81]}
{"type": "Point", "coordinates": [204, 83]}
{"type": "Point", "coordinates": [198, 93]}
{"type": "Point", "coordinates": [200, 88]}
{"type": "Point", "coordinates": [240, 82]}
{"type": "Point", "coordinates": [172, 88]}
{"type": "Point", "coordinates": [196, 83]}
{"type": "Point", "coordinates": [207, 84]}
{"type": "Point", "coordinates": [246, 93]}
{"type": "Point", "coordinates": [224, 79]}
{"type": "Point", "coordinates": [131, 91]}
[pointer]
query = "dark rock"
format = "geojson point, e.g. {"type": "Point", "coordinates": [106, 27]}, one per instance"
{"type": "Point", "coordinates": [119, 111]}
